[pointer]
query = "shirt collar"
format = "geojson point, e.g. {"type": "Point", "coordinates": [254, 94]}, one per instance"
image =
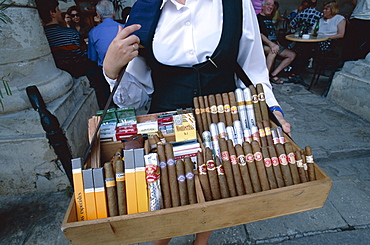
{"type": "Point", "coordinates": [177, 5]}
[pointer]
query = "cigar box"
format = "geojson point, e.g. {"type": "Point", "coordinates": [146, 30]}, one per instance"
{"type": "Point", "coordinates": [199, 217]}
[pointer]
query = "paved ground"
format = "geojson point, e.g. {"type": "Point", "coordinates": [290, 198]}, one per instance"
{"type": "Point", "coordinates": [341, 146]}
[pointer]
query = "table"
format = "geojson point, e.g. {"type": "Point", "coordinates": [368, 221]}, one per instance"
{"type": "Point", "coordinates": [312, 39]}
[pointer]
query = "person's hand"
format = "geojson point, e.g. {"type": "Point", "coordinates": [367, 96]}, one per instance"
{"type": "Point", "coordinates": [121, 51]}
{"type": "Point", "coordinates": [274, 48]}
{"type": "Point", "coordinates": [285, 125]}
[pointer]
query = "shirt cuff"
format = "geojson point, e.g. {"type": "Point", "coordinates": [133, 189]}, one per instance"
{"type": "Point", "coordinates": [276, 108]}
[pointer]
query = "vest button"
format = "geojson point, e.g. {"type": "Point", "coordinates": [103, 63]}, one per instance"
{"type": "Point", "coordinates": [195, 92]}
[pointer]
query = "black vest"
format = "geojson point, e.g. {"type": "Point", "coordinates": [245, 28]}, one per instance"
{"type": "Point", "coordinates": [175, 87]}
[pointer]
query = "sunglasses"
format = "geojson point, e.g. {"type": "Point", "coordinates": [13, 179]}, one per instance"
{"type": "Point", "coordinates": [75, 15]}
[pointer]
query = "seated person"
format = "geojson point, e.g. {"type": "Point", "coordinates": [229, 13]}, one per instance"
{"type": "Point", "coordinates": [309, 15]}
{"type": "Point", "coordinates": [271, 45]}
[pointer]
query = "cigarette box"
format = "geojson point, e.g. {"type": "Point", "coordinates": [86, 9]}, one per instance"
{"type": "Point", "coordinates": [141, 189]}
{"type": "Point", "coordinates": [100, 196]}
{"type": "Point", "coordinates": [78, 186]}
{"type": "Point", "coordinates": [87, 175]}
{"type": "Point", "coordinates": [131, 194]}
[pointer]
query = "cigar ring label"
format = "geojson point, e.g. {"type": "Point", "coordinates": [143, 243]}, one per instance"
{"type": "Point", "coordinates": [225, 156]}
{"type": "Point", "coordinates": [202, 169]}
{"type": "Point", "coordinates": [197, 111]}
{"type": "Point", "coordinates": [170, 162]}
{"type": "Point", "coordinates": [268, 131]}
{"type": "Point", "coordinates": [211, 165]}
{"type": "Point", "coordinates": [267, 162]}
{"type": "Point", "coordinates": [305, 167]}
{"type": "Point", "coordinates": [227, 108]}
{"type": "Point", "coordinates": [275, 161]}
{"type": "Point", "coordinates": [249, 157]}
{"type": "Point", "coordinates": [309, 159]}
{"type": "Point", "coordinates": [233, 159]}
{"type": "Point", "coordinates": [190, 176]}
{"type": "Point", "coordinates": [220, 170]}
{"type": "Point", "coordinates": [163, 164]}
{"type": "Point", "coordinates": [261, 97]}
{"type": "Point", "coordinates": [234, 110]}
{"type": "Point", "coordinates": [120, 176]}
{"type": "Point", "coordinates": [262, 133]}
{"type": "Point", "coordinates": [181, 178]}
{"type": "Point", "coordinates": [110, 183]}
{"type": "Point", "coordinates": [283, 160]}
{"type": "Point", "coordinates": [213, 109]}
{"type": "Point", "coordinates": [299, 163]}
{"type": "Point", "coordinates": [291, 158]}
{"type": "Point", "coordinates": [220, 109]}
{"type": "Point", "coordinates": [258, 156]}
{"type": "Point", "coordinates": [242, 161]}
{"type": "Point", "coordinates": [207, 109]}
{"type": "Point", "coordinates": [254, 98]}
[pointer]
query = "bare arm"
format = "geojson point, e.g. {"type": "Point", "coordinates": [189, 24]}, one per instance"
{"type": "Point", "coordinates": [341, 30]}
{"type": "Point", "coordinates": [273, 46]}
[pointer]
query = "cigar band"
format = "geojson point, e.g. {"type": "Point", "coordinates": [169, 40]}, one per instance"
{"type": "Point", "coordinates": [291, 158]}
{"type": "Point", "coordinates": [211, 165]}
{"type": "Point", "coordinates": [282, 140]}
{"type": "Point", "coordinates": [240, 103]}
{"type": "Point", "coordinates": [234, 110]}
{"type": "Point", "coordinates": [220, 170]}
{"type": "Point", "coordinates": [305, 167]}
{"type": "Point", "coordinates": [268, 131]}
{"type": "Point", "coordinates": [213, 109]}
{"type": "Point", "coordinates": [202, 110]}
{"type": "Point", "coordinates": [242, 161]}
{"type": "Point", "coordinates": [162, 164]}
{"type": "Point", "coordinates": [276, 140]}
{"type": "Point", "coordinates": [254, 99]}
{"type": "Point", "coordinates": [225, 156]}
{"type": "Point", "coordinates": [261, 96]}
{"type": "Point", "coordinates": [89, 190]}
{"type": "Point", "coordinates": [223, 135]}
{"type": "Point", "coordinates": [258, 156]}
{"type": "Point", "coordinates": [249, 157]}
{"type": "Point", "coordinates": [262, 133]}
{"type": "Point", "coordinates": [299, 163]}
{"type": "Point", "coordinates": [189, 175]}
{"type": "Point", "coordinates": [170, 162]}
{"type": "Point", "coordinates": [227, 108]}
{"type": "Point", "coordinates": [249, 102]}
{"type": "Point", "coordinates": [110, 182]}
{"type": "Point", "coordinates": [120, 176]}
{"type": "Point", "coordinates": [275, 161]}
{"type": "Point", "coordinates": [197, 111]}
{"type": "Point", "coordinates": [283, 160]}
{"type": "Point", "coordinates": [202, 169]}
{"type": "Point", "coordinates": [207, 109]}
{"type": "Point", "coordinates": [267, 162]}
{"type": "Point", "coordinates": [220, 109]}
{"type": "Point", "coordinates": [309, 159]}
{"type": "Point", "coordinates": [181, 178]}
{"type": "Point", "coordinates": [233, 160]}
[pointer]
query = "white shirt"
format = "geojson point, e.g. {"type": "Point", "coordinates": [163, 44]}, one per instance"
{"type": "Point", "coordinates": [330, 26]}
{"type": "Point", "coordinates": [185, 35]}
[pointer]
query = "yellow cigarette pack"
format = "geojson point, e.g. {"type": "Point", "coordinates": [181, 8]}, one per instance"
{"type": "Point", "coordinates": [185, 128]}
{"type": "Point", "coordinates": [131, 196]}
{"type": "Point", "coordinates": [141, 188]}
{"type": "Point", "coordinates": [100, 196]}
{"type": "Point", "coordinates": [78, 186]}
{"type": "Point", "coordinates": [87, 175]}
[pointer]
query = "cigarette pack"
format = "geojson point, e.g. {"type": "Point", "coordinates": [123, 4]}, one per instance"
{"type": "Point", "coordinates": [131, 196]}
{"type": "Point", "coordinates": [78, 186]}
{"type": "Point", "coordinates": [184, 125]}
{"type": "Point", "coordinates": [87, 175]}
{"type": "Point", "coordinates": [141, 189]}
{"type": "Point", "coordinates": [100, 196]}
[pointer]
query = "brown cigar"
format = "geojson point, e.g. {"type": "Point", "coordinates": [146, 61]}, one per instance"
{"type": "Point", "coordinates": [276, 166]}
{"type": "Point", "coordinates": [208, 110]}
{"type": "Point", "coordinates": [198, 116]}
{"type": "Point", "coordinates": [262, 101]}
{"type": "Point", "coordinates": [302, 174]}
{"type": "Point", "coordinates": [268, 166]}
{"type": "Point", "coordinates": [110, 184]}
{"type": "Point", "coordinates": [305, 167]}
{"type": "Point", "coordinates": [190, 183]}
{"type": "Point", "coordinates": [220, 108]}
{"type": "Point", "coordinates": [234, 106]}
{"type": "Point", "coordinates": [227, 109]}
{"type": "Point", "coordinates": [172, 178]}
{"type": "Point", "coordinates": [235, 166]}
{"type": "Point", "coordinates": [225, 157]}
{"type": "Point", "coordinates": [258, 159]}
{"type": "Point", "coordinates": [224, 189]}
{"type": "Point", "coordinates": [262, 134]}
{"type": "Point", "coordinates": [310, 163]}
{"type": "Point", "coordinates": [292, 162]}
{"type": "Point", "coordinates": [183, 190]}
{"type": "Point", "coordinates": [249, 158]}
{"type": "Point", "coordinates": [117, 156]}
{"type": "Point", "coordinates": [212, 175]}
{"type": "Point", "coordinates": [161, 137]}
{"type": "Point", "coordinates": [285, 169]}
{"type": "Point", "coordinates": [121, 188]}
{"type": "Point", "coordinates": [244, 169]}
{"type": "Point", "coordinates": [203, 177]}
{"type": "Point", "coordinates": [213, 108]}
{"type": "Point", "coordinates": [256, 106]}
{"type": "Point", "coordinates": [266, 125]}
{"type": "Point", "coordinates": [203, 114]}
{"type": "Point", "coordinates": [165, 185]}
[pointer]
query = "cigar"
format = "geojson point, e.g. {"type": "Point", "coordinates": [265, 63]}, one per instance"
{"type": "Point", "coordinates": [198, 116]}
{"type": "Point", "coordinates": [261, 130]}
{"type": "Point", "coordinates": [255, 134]}
{"type": "Point", "coordinates": [256, 106]}
{"type": "Point", "coordinates": [121, 188]}
{"type": "Point", "coordinates": [116, 156]}
{"type": "Point", "coordinates": [203, 177]}
{"type": "Point", "coordinates": [207, 140]}
{"type": "Point", "coordinates": [203, 114]}
{"type": "Point", "coordinates": [262, 102]}
{"type": "Point", "coordinates": [235, 167]}
{"type": "Point", "coordinates": [213, 108]}
{"type": "Point", "coordinates": [242, 110]}
{"type": "Point", "coordinates": [208, 110]}
{"type": "Point", "coordinates": [285, 169]}
{"type": "Point", "coordinates": [212, 175]}
{"type": "Point", "coordinates": [221, 130]}
{"type": "Point", "coordinates": [152, 172]}
{"type": "Point", "coordinates": [249, 107]}
{"type": "Point", "coordinates": [244, 169]}
{"type": "Point", "coordinates": [279, 131]}
{"type": "Point", "coordinates": [161, 137]}
{"type": "Point", "coordinates": [227, 166]}
{"type": "Point", "coordinates": [183, 190]}
{"type": "Point", "coordinates": [110, 184]}
{"type": "Point", "coordinates": [227, 109]}
{"type": "Point", "coordinates": [292, 162]}
{"type": "Point", "coordinates": [234, 107]}
{"type": "Point", "coordinates": [302, 174]}
{"type": "Point", "coordinates": [276, 166]}
{"type": "Point", "coordinates": [268, 166]}
{"type": "Point", "coordinates": [249, 158]}
{"type": "Point", "coordinates": [305, 167]}
{"type": "Point", "coordinates": [165, 185]}
{"type": "Point", "coordinates": [266, 125]}
{"type": "Point", "coordinates": [238, 129]}
{"type": "Point", "coordinates": [258, 159]}
{"type": "Point", "coordinates": [224, 189]}
{"type": "Point", "coordinates": [220, 108]}
{"type": "Point", "coordinates": [310, 163]}
{"type": "Point", "coordinates": [190, 183]}
{"type": "Point", "coordinates": [172, 178]}
{"type": "Point", "coordinates": [215, 136]}
{"type": "Point", "coordinates": [275, 137]}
